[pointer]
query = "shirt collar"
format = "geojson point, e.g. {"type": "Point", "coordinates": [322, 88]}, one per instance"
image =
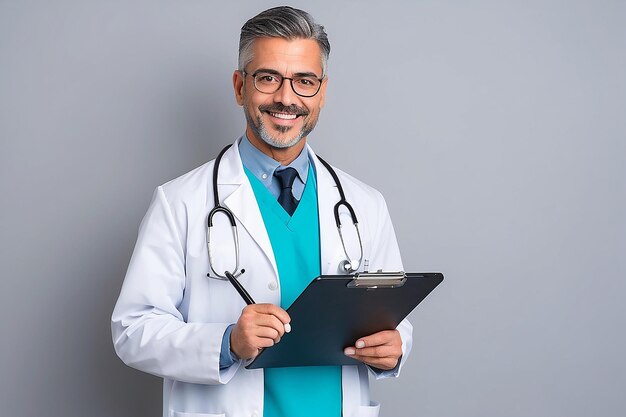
{"type": "Point", "coordinates": [263, 166]}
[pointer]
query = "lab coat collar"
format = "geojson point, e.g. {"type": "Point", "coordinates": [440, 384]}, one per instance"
{"type": "Point", "coordinates": [237, 194]}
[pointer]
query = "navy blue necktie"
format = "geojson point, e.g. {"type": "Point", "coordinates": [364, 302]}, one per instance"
{"type": "Point", "coordinates": [285, 180]}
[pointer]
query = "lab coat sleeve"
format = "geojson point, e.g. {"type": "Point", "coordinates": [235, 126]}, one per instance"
{"type": "Point", "coordinates": [149, 332]}
{"type": "Point", "coordinates": [385, 255]}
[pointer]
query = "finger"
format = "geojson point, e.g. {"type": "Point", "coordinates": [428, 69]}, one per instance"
{"type": "Point", "coordinates": [263, 342]}
{"type": "Point", "coordinates": [380, 363]}
{"type": "Point", "coordinates": [379, 351]}
{"type": "Point", "coordinates": [257, 343]}
{"type": "Point", "coordinates": [271, 321]}
{"type": "Point", "coordinates": [262, 325]}
{"type": "Point", "coordinates": [385, 337]}
{"type": "Point", "coordinates": [274, 310]}
{"type": "Point", "coordinates": [274, 341]}
{"type": "Point", "coordinates": [266, 332]}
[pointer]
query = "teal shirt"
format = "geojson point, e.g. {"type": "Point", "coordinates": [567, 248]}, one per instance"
{"type": "Point", "coordinates": [296, 391]}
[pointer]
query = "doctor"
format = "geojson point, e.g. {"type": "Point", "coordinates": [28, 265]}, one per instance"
{"type": "Point", "coordinates": [196, 332]}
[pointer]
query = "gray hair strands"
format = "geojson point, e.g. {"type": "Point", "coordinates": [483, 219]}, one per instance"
{"type": "Point", "coordinates": [282, 22]}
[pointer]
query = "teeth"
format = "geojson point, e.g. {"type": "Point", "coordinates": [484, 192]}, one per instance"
{"type": "Point", "coordinates": [284, 116]}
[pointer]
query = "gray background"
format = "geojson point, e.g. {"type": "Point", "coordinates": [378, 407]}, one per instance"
{"type": "Point", "coordinates": [495, 130]}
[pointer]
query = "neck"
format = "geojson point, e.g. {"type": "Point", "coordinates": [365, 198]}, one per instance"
{"type": "Point", "coordinates": [283, 155]}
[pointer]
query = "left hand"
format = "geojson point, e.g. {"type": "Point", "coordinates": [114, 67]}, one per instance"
{"type": "Point", "coordinates": [380, 350]}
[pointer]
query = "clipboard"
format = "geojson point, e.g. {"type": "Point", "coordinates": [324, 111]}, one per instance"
{"type": "Point", "coordinates": [335, 310]}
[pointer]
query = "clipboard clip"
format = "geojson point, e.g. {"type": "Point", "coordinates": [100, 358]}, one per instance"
{"type": "Point", "coordinates": [380, 279]}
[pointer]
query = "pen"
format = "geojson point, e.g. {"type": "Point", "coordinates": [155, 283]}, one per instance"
{"type": "Point", "coordinates": [240, 289]}
{"type": "Point", "coordinates": [244, 294]}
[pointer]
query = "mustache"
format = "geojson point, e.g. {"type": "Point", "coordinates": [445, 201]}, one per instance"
{"type": "Point", "coordinates": [279, 108]}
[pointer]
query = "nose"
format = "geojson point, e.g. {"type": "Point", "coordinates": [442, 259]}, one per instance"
{"type": "Point", "coordinates": [285, 94]}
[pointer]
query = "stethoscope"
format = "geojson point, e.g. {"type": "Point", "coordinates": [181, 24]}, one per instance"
{"type": "Point", "coordinates": [348, 265]}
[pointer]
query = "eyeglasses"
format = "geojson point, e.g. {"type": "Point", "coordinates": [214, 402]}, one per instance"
{"type": "Point", "coordinates": [270, 82]}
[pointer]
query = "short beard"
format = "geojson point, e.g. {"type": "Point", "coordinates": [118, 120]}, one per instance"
{"type": "Point", "coordinates": [258, 128]}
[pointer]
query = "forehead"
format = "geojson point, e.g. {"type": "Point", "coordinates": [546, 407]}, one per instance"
{"type": "Point", "coordinates": [286, 56]}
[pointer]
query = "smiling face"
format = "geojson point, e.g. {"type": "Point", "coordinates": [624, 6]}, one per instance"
{"type": "Point", "coordinates": [281, 119]}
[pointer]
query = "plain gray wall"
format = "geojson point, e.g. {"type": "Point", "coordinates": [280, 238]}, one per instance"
{"type": "Point", "coordinates": [496, 131]}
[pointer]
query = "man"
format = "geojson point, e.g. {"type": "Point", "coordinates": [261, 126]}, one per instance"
{"type": "Point", "coordinates": [196, 332]}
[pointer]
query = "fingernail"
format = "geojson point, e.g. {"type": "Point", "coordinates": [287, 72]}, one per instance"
{"type": "Point", "coordinates": [287, 328]}
{"type": "Point", "coordinates": [360, 344]}
{"type": "Point", "coordinates": [349, 351]}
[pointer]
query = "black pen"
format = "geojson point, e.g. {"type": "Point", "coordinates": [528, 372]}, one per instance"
{"type": "Point", "coordinates": [244, 294]}
{"type": "Point", "coordinates": [240, 289]}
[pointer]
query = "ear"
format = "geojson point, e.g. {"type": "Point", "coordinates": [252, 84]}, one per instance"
{"type": "Point", "coordinates": [238, 86]}
{"type": "Point", "coordinates": [322, 92]}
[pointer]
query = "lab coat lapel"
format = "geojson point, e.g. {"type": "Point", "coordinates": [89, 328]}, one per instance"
{"type": "Point", "coordinates": [327, 197]}
{"type": "Point", "coordinates": [238, 196]}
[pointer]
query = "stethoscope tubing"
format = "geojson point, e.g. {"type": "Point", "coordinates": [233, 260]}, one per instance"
{"type": "Point", "coordinates": [348, 265]}
{"type": "Point", "coordinates": [218, 208]}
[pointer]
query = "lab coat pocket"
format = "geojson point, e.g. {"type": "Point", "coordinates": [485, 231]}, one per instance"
{"type": "Point", "coordinates": [368, 410]}
{"type": "Point", "coordinates": [182, 414]}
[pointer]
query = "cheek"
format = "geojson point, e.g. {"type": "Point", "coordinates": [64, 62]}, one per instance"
{"type": "Point", "coordinates": [252, 108]}
{"type": "Point", "coordinates": [253, 103]}
{"type": "Point", "coordinates": [313, 113]}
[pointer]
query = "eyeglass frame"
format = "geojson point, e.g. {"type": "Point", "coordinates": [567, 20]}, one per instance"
{"type": "Point", "coordinates": [283, 78]}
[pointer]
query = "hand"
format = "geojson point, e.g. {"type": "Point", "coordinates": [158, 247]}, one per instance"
{"type": "Point", "coordinates": [259, 326]}
{"type": "Point", "coordinates": [380, 350]}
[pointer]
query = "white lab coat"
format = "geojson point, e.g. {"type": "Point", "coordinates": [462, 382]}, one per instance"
{"type": "Point", "coordinates": [170, 318]}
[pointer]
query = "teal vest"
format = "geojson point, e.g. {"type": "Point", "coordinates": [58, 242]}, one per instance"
{"type": "Point", "coordinates": [298, 391]}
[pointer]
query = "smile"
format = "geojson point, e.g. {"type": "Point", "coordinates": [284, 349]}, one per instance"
{"type": "Point", "coordinates": [284, 116]}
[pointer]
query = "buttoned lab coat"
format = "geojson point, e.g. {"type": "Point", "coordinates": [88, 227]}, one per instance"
{"type": "Point", "coordinates": [170, 318]}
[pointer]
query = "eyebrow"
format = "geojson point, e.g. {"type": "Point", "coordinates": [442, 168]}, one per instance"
{"type": "Point", "coordinates": [297, 74]}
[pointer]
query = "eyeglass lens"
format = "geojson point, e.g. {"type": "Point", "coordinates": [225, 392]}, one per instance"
{"type": "Point", "coordinates": [306, 86]}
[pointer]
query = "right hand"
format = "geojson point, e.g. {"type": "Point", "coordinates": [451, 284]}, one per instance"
{"type": "Point", "coordinates": [259, 326]}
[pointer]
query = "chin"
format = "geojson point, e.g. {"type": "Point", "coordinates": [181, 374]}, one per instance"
{"type": "Point", "coordinates": [282, 143]}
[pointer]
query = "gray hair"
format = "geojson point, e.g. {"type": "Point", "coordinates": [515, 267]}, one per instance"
{"type": "Point", "coordinates": [281, 22]}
